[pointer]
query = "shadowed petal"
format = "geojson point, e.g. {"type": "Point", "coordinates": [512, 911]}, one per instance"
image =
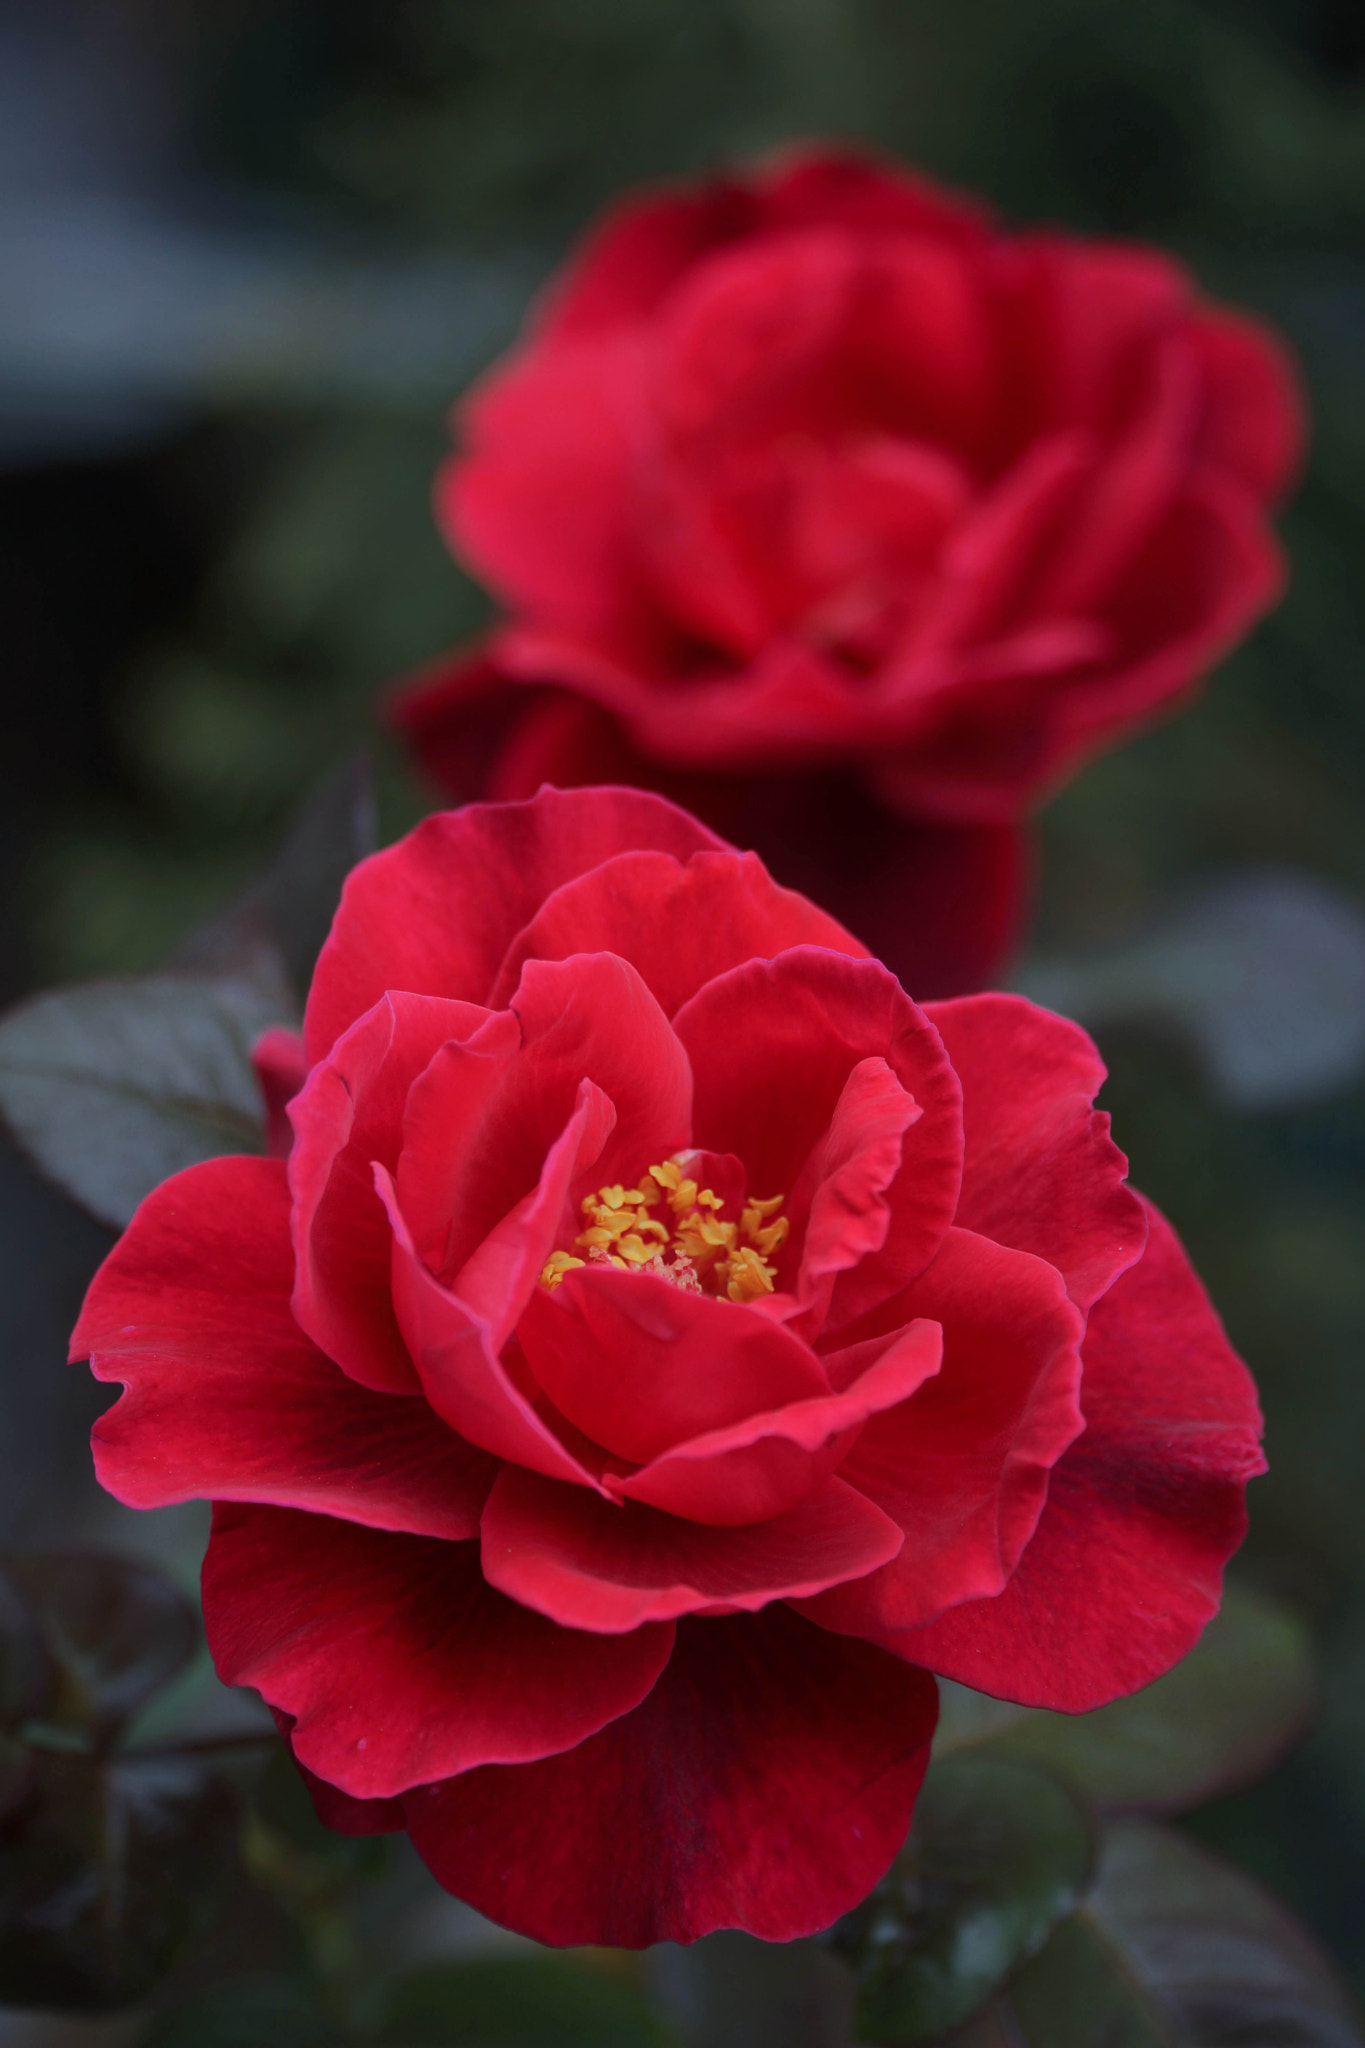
{"type": "Point", "coordinates": [765, 1783]}
{"type": "Point", "coordinates": [397, 1662]}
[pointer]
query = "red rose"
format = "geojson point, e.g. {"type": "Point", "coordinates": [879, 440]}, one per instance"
{"type": "Point", "coordinates": [661, 1351]}
{"type": "Point", "coordinates": [826, 498]}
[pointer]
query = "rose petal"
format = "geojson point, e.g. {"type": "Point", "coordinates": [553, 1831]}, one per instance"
{"type": "Point", "coordinates": [766, 1783]}
{"type": "Point", "coordinates": [226, 1398]}
{"type": "Point", "coordinates": [938, 904]}
{"type": "Point", "coordinates": [678, 925]}
{"type": "Point", "coordinates": [436, 913]}
{"type": "Point", "coordinates": [350, 1115]}
{"type": "Point", "coordinates": [538, 502]}
{"type": "Point", "coordinates": [762, 1466]}
{"type": "Point", "coordinates": [1139, 473]}
{"type": "Point", "coordinates": [459, 1366]}
{"type": "Point", "coordinates": [840, 1208]}
{"type": "Point", "coordinates": [639, 1365]}
{"type": "Point", "coordinates": [772, 1045]}
{"type": "Point", "coordinates": [1041, 1172]}
{"type": "Point", "coordinates": [964, 1465]}
{"type": "Point", "coordinates": [477, 1128]}
{"type": "Point", "coordinates": [1125, 1567]}
{"type": "Point", "coordinates": [592, 1564]}
{"type": "Point", "coordinates": [397, 1662]}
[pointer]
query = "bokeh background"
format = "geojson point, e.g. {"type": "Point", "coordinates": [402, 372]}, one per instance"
{"type": "Point", "coordinates": [251, 249]}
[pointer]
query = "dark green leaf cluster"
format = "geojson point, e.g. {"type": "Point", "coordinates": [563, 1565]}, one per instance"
{"type": "Point", "coordinates": [111, 1858]}
{"type": "Point", "coordinates": [1039, 1902]}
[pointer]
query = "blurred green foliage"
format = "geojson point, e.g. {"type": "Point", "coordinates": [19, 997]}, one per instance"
{"type": "Point", "coordinates": [1234, 132]}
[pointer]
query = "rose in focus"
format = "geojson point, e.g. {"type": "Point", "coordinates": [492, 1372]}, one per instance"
{"type": "Point", "coordinates": [826, 507]}
{"type": "Point", "coordinates": [665, 1346]}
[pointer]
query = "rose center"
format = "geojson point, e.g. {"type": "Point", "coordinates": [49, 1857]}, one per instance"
{"type": "Point", "coordinates": [670, 1226]}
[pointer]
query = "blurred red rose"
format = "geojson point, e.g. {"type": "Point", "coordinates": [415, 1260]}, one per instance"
{"type": "Point", "coordinates": [830, 506]}
{"type": "Point", "coordinates": [664, 1347]}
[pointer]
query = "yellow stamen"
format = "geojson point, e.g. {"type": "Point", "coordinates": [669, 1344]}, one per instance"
{"type": "Point", "coordinates": [619, 1231]}
{"type": "Point", "coordinates": [556, 1266]}
{"type": "Point", "coordinates": [747, 1276]}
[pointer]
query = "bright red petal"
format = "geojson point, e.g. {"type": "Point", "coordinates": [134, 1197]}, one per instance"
{"type": "Point", "coordinates": [460, 1366]}
{"type": "Point", "coordinates": [772, 1046]}
{"type": "Point", "coordinates": [1041, 1172]}
{"type": "Point", "coordinates": [678, 925]}
{"type": "Point", "coordinates": [639, 1366]}
{"type": "Point", "coordinates": [436, 913]}
{"type": "Point", "coordinates": [478, 1127]}
{"type": "Point", "coordinates": [765, 1784]}
{"type": "Point", "coordinates": [841, 1207]}
{"type": "Point", "coordinates": [539, 503]}
{"type": "Point", "coordinates": [963, 1466]}
{"type": "Point", "coordinates": [765, 1464]}
{"type": "Point", "coordinates": [350, 1115]}
{"type": "Point", "coordinates": [398, 1663]}
{"type": "Point", "coordinates": [593, 1564]}
{"type": "Point", "coordinates": [1126, 1565]}
{"type": "Point", "coordinates": [226, 1398]}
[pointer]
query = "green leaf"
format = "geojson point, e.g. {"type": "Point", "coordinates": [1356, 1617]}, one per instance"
{"type": "Point", "coordinates": [108, 1870]}
{"type": "Point", "coordinates": [111, 1086]}
{"type": "Point", "coordinates": [1219, 1720]}
{"type": "Point", "coordinates": [524, 2001]}
{"type": "Point", "coordinates": [998, 1854]}
{"type": "Point", "coordinates": [1174, 1949]}
{"type": "Point", "coordinates": [259, 2012]}
{"type": "Point", "coordinates": [113, 1633]}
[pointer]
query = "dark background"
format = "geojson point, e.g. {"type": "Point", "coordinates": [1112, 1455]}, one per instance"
{"type": "Point", "coordinates": [252, 249]}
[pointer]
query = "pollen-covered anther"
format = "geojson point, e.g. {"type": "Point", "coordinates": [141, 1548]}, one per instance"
{"type": "Point", "coordinates": [556, 1266]}
{"type": "Point", "coordinates": [747, 1275]}
{"type": "Point", "coordinates": [701, 1245]}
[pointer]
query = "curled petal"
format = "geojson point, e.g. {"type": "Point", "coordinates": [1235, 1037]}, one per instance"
{"type": "Point", "coordinates": [436, 913]}
{"type": "Point", "coordinates": [964, 1465]}
{"type": "Point", "coordinates": [480, 1121]}
{"type": "Point", "coordinates": [679, 924]}
{"type": "Point", "coordinates": [1041, 1172]}
{"type": "Point", "coordinates": [772, 1046]}
{"type": "Point", "coordinates": [1143, 1512]}
{"type": "Point", "coordinates": [765, 1464]}
{"type": "Point", "coordinates": [348, 1117]}
{"type": "Point", "coordinates": [464, 1377]}
{"type": "Point", "coordinates": [594, 1564]}
{"type": "Point", "coordinates": [640, 1366]}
